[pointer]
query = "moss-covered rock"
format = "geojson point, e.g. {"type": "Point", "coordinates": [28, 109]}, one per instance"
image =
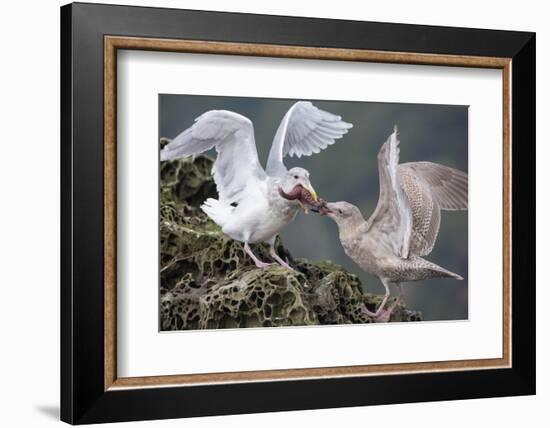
{"type": "Point", "coordinates": [207, 281]}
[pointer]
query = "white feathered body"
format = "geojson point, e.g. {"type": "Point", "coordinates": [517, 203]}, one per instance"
{"type": "Point", "coordinates": [249, 207]}
{"type": "Point", "coordinates": [258, 218]}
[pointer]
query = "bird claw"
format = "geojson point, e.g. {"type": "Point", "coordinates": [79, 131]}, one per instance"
{"type": "Point", "coordinates": [381, 315]}
{"type": "Point", "coordinates": [288, 267]}
{"type": "Point", "coordinates": [279, 260]}
{"type": "Point", "coordinates": [263, 265]}
{"type": "Point", "coordinates": [385, 314]}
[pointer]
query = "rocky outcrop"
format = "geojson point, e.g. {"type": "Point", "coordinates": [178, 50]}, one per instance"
{"type": "Point", "coordinates": [207, 281]}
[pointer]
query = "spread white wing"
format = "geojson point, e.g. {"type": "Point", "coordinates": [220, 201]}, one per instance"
{"type": "Point", "coordinates": [304, 130]}
{"type": "Point", "coordinates": [236, 168]}
{"type": "Point", "coordinates": [393, 215]}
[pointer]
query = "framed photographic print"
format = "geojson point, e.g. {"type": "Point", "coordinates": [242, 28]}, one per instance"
{"type": "Point", "coordinates": [265, 213]}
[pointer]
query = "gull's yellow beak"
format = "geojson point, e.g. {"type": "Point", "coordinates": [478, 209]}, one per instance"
{"type": "Point", "coordinates": [313, 193]}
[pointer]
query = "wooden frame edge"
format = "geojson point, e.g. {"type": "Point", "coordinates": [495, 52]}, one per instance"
{"type": "Point", "coordinates": [301, 52]}
{"type": "Point", "coordinates": [112, 43]}
{"type": "Point", "coordinates": [298, 374]}
{"type": "Point", "coordinates": [109, 199]}
{"type": "Point", "coordinates": [507, 213]}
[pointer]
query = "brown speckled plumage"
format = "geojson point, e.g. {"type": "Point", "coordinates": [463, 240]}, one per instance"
{"type": "Point", "coordinates": [429, 188]}
{"type": "Point", "coordinates": [405, 223]}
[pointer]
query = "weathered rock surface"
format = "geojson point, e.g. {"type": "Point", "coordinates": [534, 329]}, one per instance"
{"type": "Point", "coordinates": [207, 281]}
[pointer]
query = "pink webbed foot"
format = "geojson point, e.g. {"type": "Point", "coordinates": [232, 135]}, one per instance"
{"type": "Point", "coordinates": [259, 264]}
{"type": "Point", "coordinates": [279, 260]}
{"type": "Point", "coordinates": [381, 314]}
{"type": "Point", "coordinates": [385, 314]}
{"type": "Point", "coordinates": [262, 265]}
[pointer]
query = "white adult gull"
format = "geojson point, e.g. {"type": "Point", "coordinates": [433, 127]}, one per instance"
{"type": "Point", "coordinates": [253, 205]}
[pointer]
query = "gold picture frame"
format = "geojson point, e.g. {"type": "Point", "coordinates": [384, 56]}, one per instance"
{"type": "Point", "coordinates": [114, 43]}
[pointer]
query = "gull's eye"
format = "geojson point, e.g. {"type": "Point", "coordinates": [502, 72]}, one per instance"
{"type": "Point", "coordinates": [295, 177]}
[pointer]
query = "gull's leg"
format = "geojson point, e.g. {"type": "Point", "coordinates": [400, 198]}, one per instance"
{"type": "Point", "coordinates": [385, 315]}
{"type": "Point", "coordinates": [401, 292]}
{"type": "Point", "coordinates": [275, 256]}
{"type": "Point", "coordinates": [380, 308]}
{"type": "Point", "coordinates": [257, 261]}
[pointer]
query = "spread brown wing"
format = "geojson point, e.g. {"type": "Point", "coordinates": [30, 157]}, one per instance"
{"type": "Point", "coordinates": [449, 186]}
{"type": "Point", "coordinates": [429, 188]}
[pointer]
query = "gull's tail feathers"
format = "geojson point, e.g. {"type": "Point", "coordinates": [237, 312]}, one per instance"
{"type": "Point", "coordinates": [218, 211]}
{"type": "Point", "coordinates": [417, 268]}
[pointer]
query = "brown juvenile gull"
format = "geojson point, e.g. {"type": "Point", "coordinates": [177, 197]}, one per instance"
{"type": "Point", "coordinates": [405, 223]}
{"type": "Point", "coordinates": [253, 205]}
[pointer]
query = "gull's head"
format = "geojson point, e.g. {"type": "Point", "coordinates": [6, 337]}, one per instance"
{"type": "Point", "coordinates": [296, 187]}
{"type": "Point", "coordinates": [342, 212]}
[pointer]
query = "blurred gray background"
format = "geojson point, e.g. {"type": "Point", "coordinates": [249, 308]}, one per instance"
{"type": "Point", "coordinates": [348, 171]}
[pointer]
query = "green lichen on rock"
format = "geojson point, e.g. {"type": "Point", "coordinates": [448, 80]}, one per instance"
{"type": "Point", "coordinates": [207, 281]}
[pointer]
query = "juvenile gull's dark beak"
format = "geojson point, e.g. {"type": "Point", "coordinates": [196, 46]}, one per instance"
{"type": "Point", "coordinates": [321, 207]}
